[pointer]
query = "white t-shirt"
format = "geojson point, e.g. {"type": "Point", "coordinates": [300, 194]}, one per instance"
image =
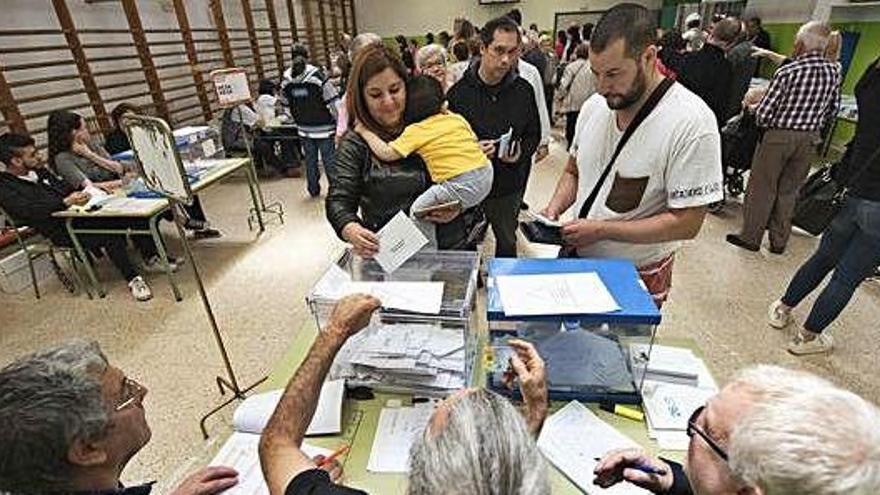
{"type": "Point", "coordinates": [265, 107]}
{"type": "Point", "coordinates": [672, 161]}
{"type": "Point", "coordinates": [531, 74]}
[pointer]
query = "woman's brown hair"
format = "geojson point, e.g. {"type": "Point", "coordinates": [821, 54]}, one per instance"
{"type": "Point", "coordinates": [370, 60]}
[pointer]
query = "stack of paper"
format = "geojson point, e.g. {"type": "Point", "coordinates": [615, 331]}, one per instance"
{"type": "Point", "coordinates": [416, 297]}
{"type": "Point", "coordinates": [421, 358]}
{"type": "Point", "coordinates": [253, 414]}
{"type": "Point", "coordinates": [554, 294]}
{"type": "Point", "coordinates": [397, 431]}
{"type": "Point", "coordinates": [676, 383]}
{"type": "Point", "coordinates": [241, 453]}
{"type": "Point", "coordinates": [573, 438]}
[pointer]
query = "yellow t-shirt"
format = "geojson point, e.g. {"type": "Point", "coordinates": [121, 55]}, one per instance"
{"type": "Point", "coordinates": [445, 142]}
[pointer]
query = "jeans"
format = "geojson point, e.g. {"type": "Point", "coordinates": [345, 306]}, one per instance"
{"type": "Point", "coordinates": [503, 215]}
{"type": "Point", "coordinates": [469, 189]}
{"type": "Point", "coordinates": [851, 247]}
{"type": "Point", "coordinates": [327, 148]}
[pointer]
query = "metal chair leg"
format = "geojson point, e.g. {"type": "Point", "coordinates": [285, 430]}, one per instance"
{"type": "Point", "coordinates": [33, 274]}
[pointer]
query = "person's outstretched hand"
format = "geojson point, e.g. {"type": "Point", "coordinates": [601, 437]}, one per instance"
{"type": "Point", "coordinates": [618, 466]}
{"type": "Point", "coordinates": [529, 369]}
{"type": "Point", "coordinates": [208, 481]}
{"type": "Point", "coordinates": [351, 314]}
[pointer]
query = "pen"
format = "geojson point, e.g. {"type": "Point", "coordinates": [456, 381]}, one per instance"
{"type": "Point", "coordinates": [332, 457]}
{"type": "Point", "coordinates": [639, 466]}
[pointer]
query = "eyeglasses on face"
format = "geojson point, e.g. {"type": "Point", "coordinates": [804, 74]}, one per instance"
{"type": "Point", "coordinates": [693, 428]}
{"type": "Point", "coordinates": [132, 392]}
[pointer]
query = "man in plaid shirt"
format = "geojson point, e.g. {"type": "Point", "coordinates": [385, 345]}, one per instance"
{"type": "Point", "coordinates": [802, 97]}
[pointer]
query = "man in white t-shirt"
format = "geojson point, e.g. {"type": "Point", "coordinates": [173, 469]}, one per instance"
{"type": "Point", "coordinates": [667, 173]}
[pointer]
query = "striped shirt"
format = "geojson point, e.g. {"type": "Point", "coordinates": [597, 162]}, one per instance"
{"type": "Point", "coordinates": [803, 94]}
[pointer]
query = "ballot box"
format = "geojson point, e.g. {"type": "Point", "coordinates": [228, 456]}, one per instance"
{"type": "Point", "coordinates": [423, 339]}
{"type": "Point", "coordinates": [592, 321]}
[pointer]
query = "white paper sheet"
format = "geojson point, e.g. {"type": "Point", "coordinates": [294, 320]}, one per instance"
{"type": "Point", "coordinates": [572, 439]}
{"type": "Point", "coordinates": [554, 294]}
{"type": "Point", "coordinates": [418, 297]}
{"type": "Point", "coordinates": [241, 453]}
{"type": "Point", "coordinates": [253, 414]}
{"type": "Point", "coordinates": [669, 406]}
{"type": "Point", "coordinates": [399, 239]}
{"type": "Point", "coordinates": [395, 435]}
{"type": "Point", "coordinates": [96, 197]}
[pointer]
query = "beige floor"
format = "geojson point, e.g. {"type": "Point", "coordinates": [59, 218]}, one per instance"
{"type": "Point", "coordinates": [257, 288]}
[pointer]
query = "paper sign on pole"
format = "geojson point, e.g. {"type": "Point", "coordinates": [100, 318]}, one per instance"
{"type": "Point", "coordinates": [231, 86]}
{"type": "Point", "coordinates": [155, 153]}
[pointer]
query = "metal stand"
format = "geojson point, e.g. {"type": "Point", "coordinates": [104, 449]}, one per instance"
{"type": "Point", "coordinates": [230, 383]}
{"type": "Point", "coordinates": [274, 207]}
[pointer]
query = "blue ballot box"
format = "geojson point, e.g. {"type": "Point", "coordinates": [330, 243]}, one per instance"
{"type": "Point", "coordinates": [590, 356]}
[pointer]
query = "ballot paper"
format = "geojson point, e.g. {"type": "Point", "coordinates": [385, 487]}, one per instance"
{"type": "Point", "coordinates": [423, 358]}
{"type": "Point", "coordinates": [417, 297]}
{"type": "Point", "coordinates": [96, 197]}
{"type": "Point", "coordinates": [253, 414]}
{"type": "Point", "coordinates": [504, 142]}
{"type": "Point", "coordinates": [399, 239]}
{"type": "Point", "coordinates": [573, 438]}
{"type": "Point", "coordinates": [241, 453]}
{"type": "Point", "coordinates": [669, 406]}
{"type": "Point", "coordinates": [554, 294]}
{"type": "Point", "coordinates": [397, 431]}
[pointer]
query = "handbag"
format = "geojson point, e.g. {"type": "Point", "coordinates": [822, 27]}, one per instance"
{"type": "Point", "coordinates": [643, 113]}
{"type": "Point", "coordinates": [822, 197]}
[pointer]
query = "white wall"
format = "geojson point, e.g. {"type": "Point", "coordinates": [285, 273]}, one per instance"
{"type": "Point", "coordinates": [411, 17]}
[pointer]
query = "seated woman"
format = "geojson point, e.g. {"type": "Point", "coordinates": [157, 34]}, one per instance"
{"type": "Point", "coordinates": [366, 194]}
{"type": "Point", "coordinates": [81, 162]}
{"type": "Point", "coordinates": [266, 106]}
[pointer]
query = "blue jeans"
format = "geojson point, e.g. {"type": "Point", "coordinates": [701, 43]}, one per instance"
{"type": "Point", "coordinates": [851, 247]}
{"type": "Point", "coordinates": [327, 148]}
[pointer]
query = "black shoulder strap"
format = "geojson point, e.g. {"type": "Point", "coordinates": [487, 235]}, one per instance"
{"type": "Point", "coordinates": [643, 113]}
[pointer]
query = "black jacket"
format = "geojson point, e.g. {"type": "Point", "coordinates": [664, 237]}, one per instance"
{"type": "Point", "coordinates": [708, 73]}
{"type": "Point", "coordinates": [369, 192]}
{"type": "Point", "coordinates": [492, 111]}
{"type": "Point", "coordinates": [862, 156]}
{"type": "Point", "coordinates": [32, 204]}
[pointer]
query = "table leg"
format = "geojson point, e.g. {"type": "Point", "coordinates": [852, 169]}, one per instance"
{"type": "Point", "coordinates": [163, 255]}
{"type": "Point", "coordinates": [253, 187]}
{"type": "Point", "coordinates": [84, 257]}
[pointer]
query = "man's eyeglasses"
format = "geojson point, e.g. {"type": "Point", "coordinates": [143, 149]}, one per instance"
{"type": "Point", "coordinates": [693, 428]}
{"type": "Point", "coordinates": [132, 391]}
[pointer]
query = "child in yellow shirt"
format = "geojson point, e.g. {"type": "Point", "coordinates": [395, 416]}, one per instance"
{"type": "Point", "coordinates": [446, 142]}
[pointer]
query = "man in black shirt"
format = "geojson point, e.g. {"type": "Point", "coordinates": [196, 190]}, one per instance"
{"type": "Point", "coordinates": [31, 193]}
{"type": "Point", "coordinates": [707, 72]}
{"type": "Point", "coordinates": [759, 37]}
{"type": "Point", "coordinates": [475, 442]}
{"type": "Point", "coordinates": [495, 101]}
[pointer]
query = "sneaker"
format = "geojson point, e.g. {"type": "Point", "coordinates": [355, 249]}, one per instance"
{"type": "Point", "coordinates": [154, 264]}
{"type": "Point", "coordinates": [779, 316]}
{"type": "Point", "coordinates": [823, 343]}
{"type": "Point", "coordinates": [139, 289]}
{"type": "Point", "coordinates": [207, 234]}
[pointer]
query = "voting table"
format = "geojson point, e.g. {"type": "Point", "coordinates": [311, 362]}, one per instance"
{"type": "Point", "coordinates": [152, 210]}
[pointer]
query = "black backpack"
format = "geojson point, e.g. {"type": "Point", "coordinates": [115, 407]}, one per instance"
{"type": "Point", "coordinates": [307, 104]}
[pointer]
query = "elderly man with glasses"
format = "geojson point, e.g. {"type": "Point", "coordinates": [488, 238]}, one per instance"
{"type": "Point", "coordinates": [70, 422]}
{"type": "Point", "coordinates": [771, 431]}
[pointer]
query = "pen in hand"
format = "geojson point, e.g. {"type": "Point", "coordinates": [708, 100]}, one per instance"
{"type": "Point", "coordinates": [642, 467]}
{"type": "Point", "coordinates": [332, 457]}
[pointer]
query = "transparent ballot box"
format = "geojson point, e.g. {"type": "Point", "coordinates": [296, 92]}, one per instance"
{"type": "Point", "coordinates": [592, 357]}
{"type": "Point", "coordinates": [423, 340]}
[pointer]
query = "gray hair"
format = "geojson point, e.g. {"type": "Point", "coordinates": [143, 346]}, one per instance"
{"type": "Point", "coordinates": [362, 40]}
{"type": "Point", "coordinates": [47, 401]}
{"type": "Point", "coordinates": [429, 51]}
{"type": "Point", "coordinates": [804, 435]}
{"type": "Point", "coordinates": [484, 449]}
{"type": "Point", "coordinates": [814, 36]}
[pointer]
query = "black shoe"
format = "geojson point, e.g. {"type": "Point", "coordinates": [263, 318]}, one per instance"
{"type": "Point", "coordinates": [739, 242]}
{"type": "Point", "coordinates": [207, 234]}
{"type": "Point", "coordinates": [523, 206]}
{"type": "Point", "coordinates": [776, 250]}
{"type": "Point", "coordinates": [193, 224]}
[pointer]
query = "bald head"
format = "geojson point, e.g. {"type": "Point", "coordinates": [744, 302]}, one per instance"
{"type": "Point", "coordinates": [813, 36]}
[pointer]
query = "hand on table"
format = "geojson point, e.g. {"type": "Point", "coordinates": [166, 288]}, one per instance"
{"type": "Point", "coordinates": [351, 314]}
{"type": "Point", "coordinates": [208, 481]}
{"type": "Point", "coordinates": [77, 198]}
{"type": "Point", "coordinates": [618, 466]}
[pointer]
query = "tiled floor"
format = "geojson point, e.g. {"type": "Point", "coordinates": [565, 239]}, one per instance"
{"type": "Point", "coordinates": [257, 289]}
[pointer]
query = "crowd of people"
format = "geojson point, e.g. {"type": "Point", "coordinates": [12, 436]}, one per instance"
{"type": "Point", "coordinates": [451, 142]}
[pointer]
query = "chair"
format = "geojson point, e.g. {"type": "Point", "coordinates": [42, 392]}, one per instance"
{"type": "Point", "coordinates": [34, 248]}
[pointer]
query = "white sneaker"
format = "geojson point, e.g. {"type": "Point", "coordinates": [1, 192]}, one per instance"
{"type": "Point", "coordinates": [139, 289]}
{"type": "Point", "coordinates": [778, 316]}
{"type": "Point", "coordinates": [823, 343]}
{"type": "Point", "coordinates": [154, 264]}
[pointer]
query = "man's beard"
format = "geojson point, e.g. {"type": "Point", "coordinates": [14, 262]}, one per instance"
{"type": "Point", "coordinates": [622, 102]}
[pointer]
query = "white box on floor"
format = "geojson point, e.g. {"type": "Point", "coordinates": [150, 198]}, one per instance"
{"type": "Point", "coordinates": [14, 274]}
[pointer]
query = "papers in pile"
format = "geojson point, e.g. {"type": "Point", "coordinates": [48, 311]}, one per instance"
{"type": "Point", "coordinates": [421, 358]}
{"type": "Point", "coordinates": [416, 297]}
{"type": "Point", "coordinates": [676, 383]}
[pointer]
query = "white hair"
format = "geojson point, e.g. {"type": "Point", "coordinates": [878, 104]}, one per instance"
{"type": "Point", "coordinates": [362, 40]}
{"type": "Point", "coordinates": [814, 36]}
{"type": "Point", "coordinates": [805, 436]}
{"type": "Point", "coordinates": [427, 52]}
{"type": "Point", "coordinates": [483, 449]}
